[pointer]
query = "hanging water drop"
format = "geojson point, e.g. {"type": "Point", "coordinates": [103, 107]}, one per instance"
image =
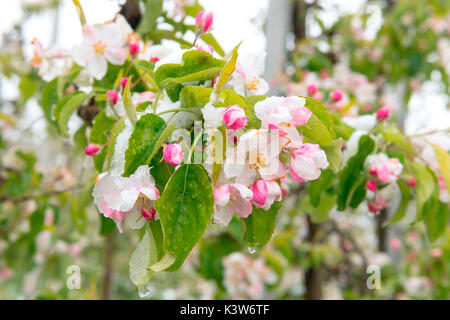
{"type": "Point", "coordinates": [144, 290]}
{"type": "Point", "coordinates": [252, 250]}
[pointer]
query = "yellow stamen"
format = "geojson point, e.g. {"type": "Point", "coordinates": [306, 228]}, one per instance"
{"type": "Point", "coordinates": [99, 47]}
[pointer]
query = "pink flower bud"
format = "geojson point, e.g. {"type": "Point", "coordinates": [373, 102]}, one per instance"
{"type": "Point", "coordinates": [123, 82]}
{"type": "Point", "coordinates": [149, 215]}
{"type": "Point", "coordinates": [154, 59]}
{"type": "Point", "coordinates": [337, 95]}
{"type": "Point", "coordinates": [206, 47]}
{"type": "Point", "coordinates": [412, 182]}
{"type": "Point", "coordinates": [134, 48]}
{"type": "Point", "coordinates": [234, 117]}
{"type": "Point", "coordinates": [374, 208]}
{"type": "Point", "coordinates": [371, 185]}
{"type": "Point", "coordinates": [113, 96]}
{"type": "Point", "coordinates": [204, 21]}
{"type": "Point", "coordinates": [436, 253]}
{"type": "Point", "coordinates": [265, 193]}
{"type": "Point", "coordinates": [91, 149]}
{"type": "Point", "coordinates": [312, 89]}
{"type": "Point", "coordinates": [373, 169]}
{"type": "Point", "coordinates": [395, 243]}
{"type": "Point", "coordinates": [382, 113]}
{"type": "Point", "coordinates": [173, 154]}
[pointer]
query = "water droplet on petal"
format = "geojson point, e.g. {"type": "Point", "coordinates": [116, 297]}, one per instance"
{"type": "Point", "coordinates": [252, 250]}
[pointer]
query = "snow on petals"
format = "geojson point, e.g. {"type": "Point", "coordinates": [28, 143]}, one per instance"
{"type": "Point", "coordinates": [118, 197]}
{"type": "Point", "coordinates": [101, 45]}
{"type": "Point", "coordinates": [283, 114]}
{"type": "Point", "coordinates": [231, 199]}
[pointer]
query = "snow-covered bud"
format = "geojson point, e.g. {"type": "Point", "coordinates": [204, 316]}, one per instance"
{"type": "Point", "coordinates": [234, 117]}
{"type": "Point", "coordinates": [203, 21]}
{"type": "Point", "coordinates": [173, 154]}
{"type": "Point", "coordinates": [113, 96]}
{"type": "Point", "coordinates": [91, 149]}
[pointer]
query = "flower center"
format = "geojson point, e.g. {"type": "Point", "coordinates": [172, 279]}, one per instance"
{"type": "Point", "coordinates": [99, 47]}
{"type": "Point", "coordinates": [253, 84]}
{"type": "Point", "coordinates": [258, 161]}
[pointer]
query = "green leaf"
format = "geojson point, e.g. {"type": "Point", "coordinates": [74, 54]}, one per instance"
{"type": "Point", "coordinates": [143, 141]}
{"type": "Point", "coordinates": [393, 135]}
{"type": "Point", "coordinates": [153, 9]}
{"type": "Point", "coordinates": [444, 162]}
{"type": "Point", "coordinates": [143, 257]}
{"type": "Point", "coordinates": [349, 176]}
{"type": "Point", "coordinates": [317, 187]}
{"type": "Point", "coordinates": [342, 129]}
{"type": "Point", "coordinates": [334, 154]}
{"type": "Point", "coordinates": [79, 138]}
{"type": "Point", "coordinates": [49, 99]}
{"type": "Point", "coordinates": [100, 128]}
{"type": "Point", "coordinates": [194, 97]}
{"type": "Point", "coordinates": [209, 39]}
{"type": "Point", "coordinates": [258, 228]}
{"type": "Point", "coordinates": [321, 112]}
{"type": "Point", "coordinates": [436, 220]}
{"type": "Point", "coordinates": [185, 208]}
{"type": "Point", "coordinates": [315, 131]}
{"type": "Point", "coordinates": [68, 109]}
{"type": "Point", "coordinates": [405, 191]}
{"type": "Point", "coordinates": [107, 225]}
{"type": "Point", "coordinates": [424, 187]}
{"type": "Point", "coordinates": [226, 72]}
{"type": "Point", "coordinates": [320, 212]}
{"type": "Point", "coordinates": [128, 104]}
{"type": "Point", "coordinates": [194, 63]}
{"type": "Point", "coordinates": [359, 194]}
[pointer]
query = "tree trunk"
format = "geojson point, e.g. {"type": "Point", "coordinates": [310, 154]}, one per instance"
{"type": "Point", "coordinates": [382, 232]}
{"type": "Point", "coordinates": [107, 266]}
{"type": "Point", "coordinates": [314, 275]}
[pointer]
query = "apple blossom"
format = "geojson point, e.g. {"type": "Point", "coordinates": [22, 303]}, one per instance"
{"type": "Point", "coordinates": [256, 154]}
{"type": "Point", "coordinates": [231, 199]}
{"type": "Point", "coordinates": [101, 45]}
{"type": "Point", "coordinates": [306, 162]}
{"type": "Point", "coordinates": [234, 117]}
{"type": "Point", "coordinates": [283, 114]}
{"type": "Point", "coordinates": [246, 79]}
{"type": "Point", "coordinates": [384, 168]}
{"type": "Point", "coordinates": [395, 243]}
{"type": "Point", "coordinates": [173, 154]}
{"type": "Point", "coordinates": [265, 193]}
{"type": "Point", "coordinates": [203, 21]}
{"type": "Point", "coordinates": [412, 182]}
{"type": "Point", "coordinates": [312, 88]}
{"type": "Point", "coordinates": [50, 63]}
{"type": "Point", "coordinates": [123, 82]}
{"type": "Point", "coordinates": [118, 197]}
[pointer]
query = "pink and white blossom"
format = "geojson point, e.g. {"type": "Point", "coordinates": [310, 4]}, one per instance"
{"type": "Point", "coordinates": [234, 117]}
{"type": "Point", "coordinates": [173, 154]}
{"type": "Point", "coordinates": [118, 197]}
{"type": "Point", "coordinates": [265, 193]}
{"type": "Point", "coordinates": [231, 199]}
{"type": "Point", "coordinates": [246, 79]}
{"type": "Point", "coordinates": [203, 21]}
{"type": "Point", "coordinates": [306, 162]}
{"type": "Point", "coordinates": [384, 168]}
{"type": "Point", "coordinates": [101, 45]}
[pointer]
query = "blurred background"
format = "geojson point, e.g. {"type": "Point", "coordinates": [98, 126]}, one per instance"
{"type": "Point", "coordinates": [385, 52]}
